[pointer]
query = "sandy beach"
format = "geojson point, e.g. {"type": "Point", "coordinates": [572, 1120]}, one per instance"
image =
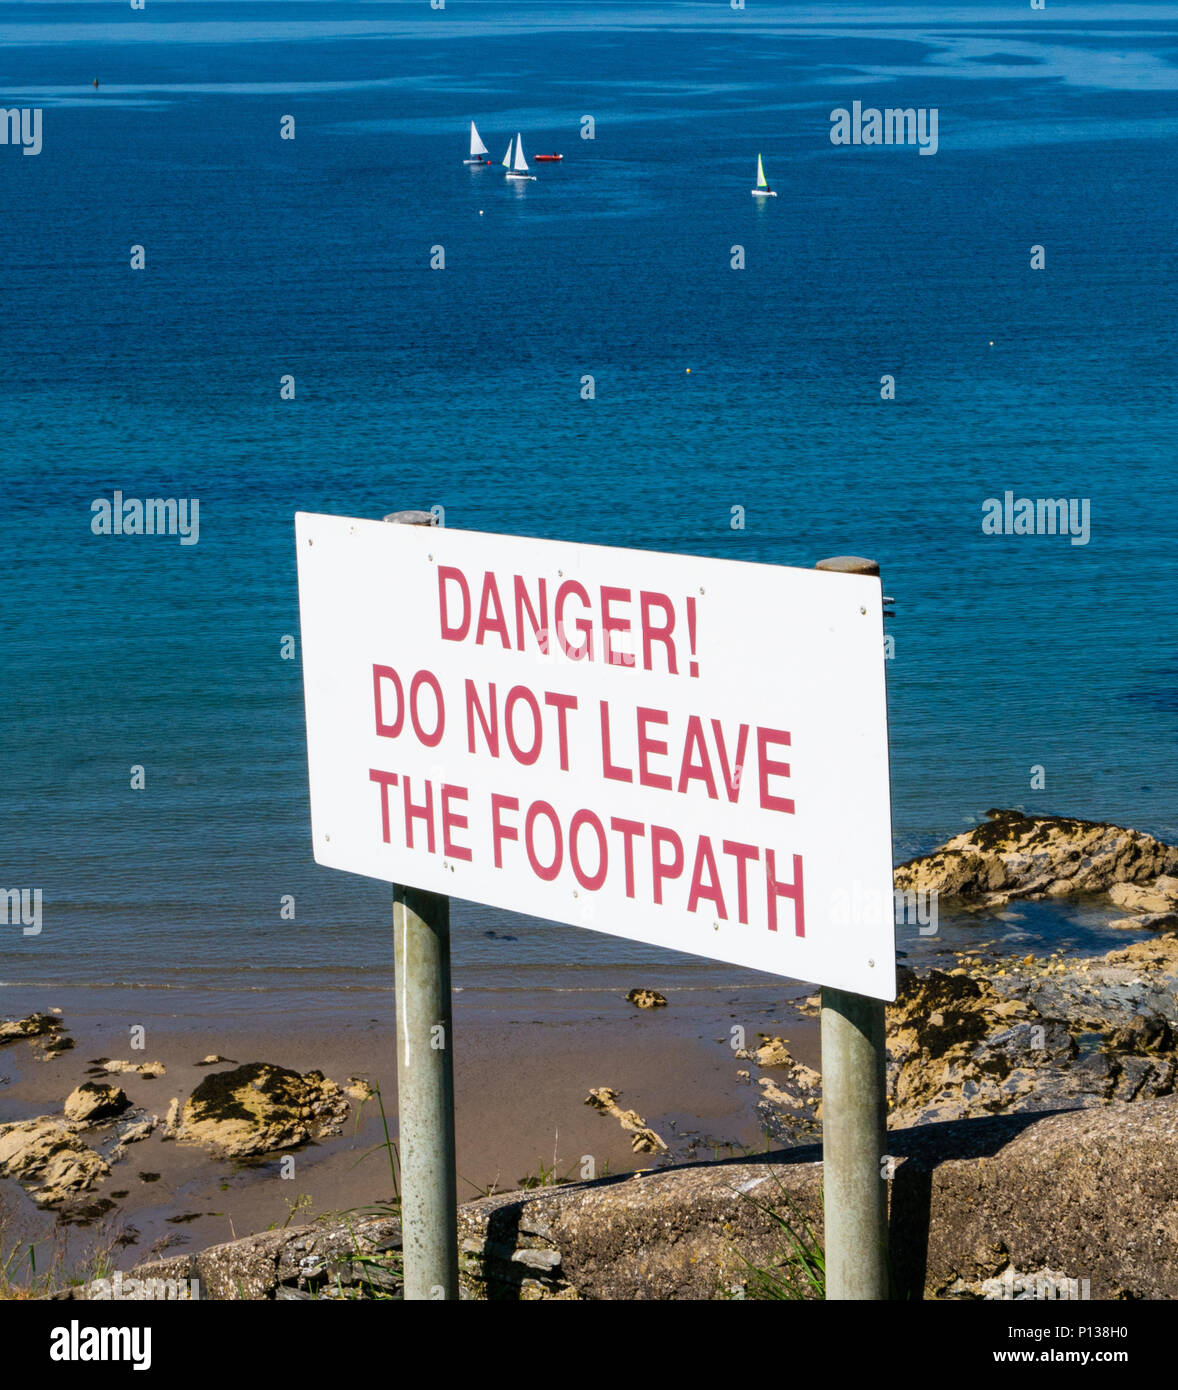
{"type": "Point", "coordinates": [523, 1069]}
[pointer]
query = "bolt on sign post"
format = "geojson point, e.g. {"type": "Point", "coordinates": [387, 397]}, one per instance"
{"type": "Point", "coordinates": [686, 752]}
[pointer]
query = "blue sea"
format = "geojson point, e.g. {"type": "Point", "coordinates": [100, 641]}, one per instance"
{"type": "Point", "coordinates": [462, 388]}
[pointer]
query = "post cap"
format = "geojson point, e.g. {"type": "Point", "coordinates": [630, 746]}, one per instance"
{"type": "Point", "coordinates": [848, 564]}
{"type": "Point", "coordinates": [410, 518]}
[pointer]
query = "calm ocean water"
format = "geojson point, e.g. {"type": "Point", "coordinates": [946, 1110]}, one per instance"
{"type": "Point", "coordinates": [462, 388]}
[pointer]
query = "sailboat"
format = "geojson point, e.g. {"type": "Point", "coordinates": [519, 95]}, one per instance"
{"type": "Point", "coordinates": [517, 168]}
{"type": "Point", "coordinates": [477, 148]}
{"type": "Point", "coordinates": [762, 189]}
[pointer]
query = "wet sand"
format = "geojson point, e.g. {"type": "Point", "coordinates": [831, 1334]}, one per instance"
{"type": "Point", "coordinates": [523, 1067]}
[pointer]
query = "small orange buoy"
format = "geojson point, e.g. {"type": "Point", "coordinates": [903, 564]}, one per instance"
{"type": "Point", "coordinates": [688, 371]}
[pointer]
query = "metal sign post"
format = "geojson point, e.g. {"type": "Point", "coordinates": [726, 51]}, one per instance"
{"type": "Point", "coordinates": [425, 1093]}
{"type": "Point", "coordinates": [425, 1079]}
{"type": "Point", "coordinates": [854, 1120]}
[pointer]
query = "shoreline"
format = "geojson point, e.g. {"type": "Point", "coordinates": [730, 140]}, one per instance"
{"type": "Point", "coordinates": [578, 1083]}
{"type": "Point", "coordinates": [522, 1075]}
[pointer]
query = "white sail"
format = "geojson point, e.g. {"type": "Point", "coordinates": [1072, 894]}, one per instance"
{"type": "Point", "coordinates": [507, 156]}
{"type": "Point", "coordinates": [521, 164]}
{"type": "Point", "coordinates": [762, 181]}
{"type": "Point", "coordinates": [476, 145]}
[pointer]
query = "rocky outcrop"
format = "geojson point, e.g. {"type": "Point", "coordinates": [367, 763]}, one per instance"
{"type": "Point", "coordinates": [1012, 855]}
{"type": "Point", "coordinates": [1036, 1035]}
{"type": "Point", "coordinates": [45, 1031]}
{"type": "Point", "coordinates": [643, 1140]}
{"type": "Point", "coordinates": [92, 1101]}
{"type": "Point", "coordinates": [989, 1037]}
{"type": "Point", "coordinates": [788, 1097]}
{"type": "Point", "coordinates": [49, 1159]}
{"type": "Point", "coordinates": [259, 1107]}
{"type": "Point", "coordinates": [33, 1026]}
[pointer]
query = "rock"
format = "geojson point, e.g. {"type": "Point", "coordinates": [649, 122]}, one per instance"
{"type": "Point", "coordinates": [260, 1107]}
{"type": "Point", "coordinates": [1154, 921]}
{"type": "Point", "coordinates": [358, 1088]}
{"type": "Point", "coordinates": [48, 1157]}
{"type": "Point", "coordinates": [34, 1026]}
{"type": "Point", "coordinates": [1138, 897]}
{"type": "Point", "coordinates": [171, 1119]}
{"type": "Point", "coordinates": [1145, 1077]}
{"type": "Point", "coordinates": [644, 1140]}
{"type": "Point", "coordinates": [212, 1059]}
{"type": "Point", "coordinates": [53, 1046]}
{"type": "Point", "coordinates": [132, 1131]}
{"type": "Point", "coordinates": [147, 1069]}
{"type": "Point", "coordinates": [799, 1089]}
{"type": "Point", "coordinates": [81, 1211]}
{"type": "Point", "coordinates": [1143, 1034]}
{"type": "Point", "coordinates": [1012, 855]}
{"type": "Point", "coordinates": [92, 1102]}
{"type": "Point", "coordinates": [1044, 1034]}
{"type": "Point", "coordinates": [1026, 1045]}
{"type": "Point", "coordinates": [772, 1053]}
{"type": "Point", "coordinates": [647, 999]}
{"type": "Point", "coordinates": [800, 1098]}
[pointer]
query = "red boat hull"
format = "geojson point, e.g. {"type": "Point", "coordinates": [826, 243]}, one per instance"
{"type": "Point", "coordinates": [546, 158]}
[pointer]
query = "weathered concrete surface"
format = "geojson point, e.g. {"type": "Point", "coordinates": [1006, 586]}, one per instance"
{"type": "Point", "coordinates": [1090, 1193]}
{"type": "Point", "coordinates": [1016, 856]}
{"type": "Point", "coordinates": [301, 1261]}
{"type": "Point", "coordinates": [1085, 1195]}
